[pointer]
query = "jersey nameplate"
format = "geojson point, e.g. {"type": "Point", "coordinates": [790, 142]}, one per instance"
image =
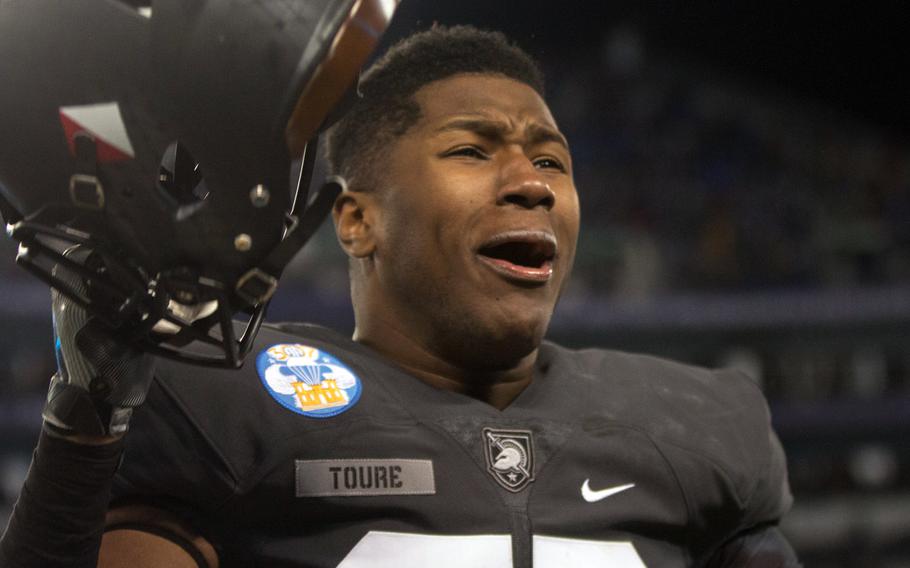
{"type": "Point", "coordinates": [308, 381]}
{"type": "Point", "coordinates": [364, 477]}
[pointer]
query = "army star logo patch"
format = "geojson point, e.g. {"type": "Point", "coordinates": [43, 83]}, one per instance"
{"type": "Point", "coordinates": [510, 457]}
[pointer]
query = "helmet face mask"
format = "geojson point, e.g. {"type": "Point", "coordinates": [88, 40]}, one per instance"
{"type": "Point", "coordinates": [161, 135]}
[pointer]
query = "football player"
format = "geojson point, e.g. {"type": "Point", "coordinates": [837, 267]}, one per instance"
{"type": "Point", "coordinates": [447, 432]}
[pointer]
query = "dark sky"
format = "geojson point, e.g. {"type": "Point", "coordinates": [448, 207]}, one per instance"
{"type": "Point", "coordinates": [850, 57]}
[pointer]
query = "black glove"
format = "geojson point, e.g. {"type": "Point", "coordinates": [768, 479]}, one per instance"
{"type": "Point", "coordinates": [100, 379]}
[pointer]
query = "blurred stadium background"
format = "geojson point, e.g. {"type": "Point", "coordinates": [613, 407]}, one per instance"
{"type": "Point", "coordinates": [745, 180]}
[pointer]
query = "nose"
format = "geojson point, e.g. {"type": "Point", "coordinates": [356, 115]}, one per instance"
{"type": "Point", "coordinates": [523, 185]}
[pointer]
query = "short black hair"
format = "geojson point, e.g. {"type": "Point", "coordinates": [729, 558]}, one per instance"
{"type": "Point", "coordinates": [385, 107]}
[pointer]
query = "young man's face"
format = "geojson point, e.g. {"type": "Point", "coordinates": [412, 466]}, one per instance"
{"type": "Point", "coordinates": [478, 219]}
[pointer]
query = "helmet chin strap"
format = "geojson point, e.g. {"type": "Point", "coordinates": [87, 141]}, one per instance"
{"type": "Point", "coordinates": [258, 284]}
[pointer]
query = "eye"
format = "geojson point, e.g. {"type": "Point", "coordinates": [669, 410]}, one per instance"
{"type": "Point", "coordinates": [468, 152]}
{"type": "Point", "coordinates": [548, 163]}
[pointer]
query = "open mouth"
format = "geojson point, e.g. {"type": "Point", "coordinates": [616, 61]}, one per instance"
{"type": "Point", "coordinates": [524, 255]}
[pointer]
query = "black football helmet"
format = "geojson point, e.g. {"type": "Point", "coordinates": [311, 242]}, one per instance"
{"type": "Point", "coordinates": [161, 135]}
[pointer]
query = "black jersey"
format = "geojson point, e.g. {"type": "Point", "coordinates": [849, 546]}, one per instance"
{"type": "Point", "coordinates": [324, 454]}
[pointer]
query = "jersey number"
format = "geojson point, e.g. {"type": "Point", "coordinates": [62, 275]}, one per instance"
{"type": "Point", "coordinates": [379, 549]}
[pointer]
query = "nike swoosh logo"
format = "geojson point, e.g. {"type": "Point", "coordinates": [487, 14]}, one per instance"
{"type": "Point", "coordinates": [592, 496]}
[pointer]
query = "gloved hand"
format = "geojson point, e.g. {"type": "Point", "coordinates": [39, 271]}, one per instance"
{"type": "Point", "coordinates": [100, 379]}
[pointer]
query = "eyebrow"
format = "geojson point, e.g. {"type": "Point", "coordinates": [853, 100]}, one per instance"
{"type": "Point", "coordinates": [496, 130]}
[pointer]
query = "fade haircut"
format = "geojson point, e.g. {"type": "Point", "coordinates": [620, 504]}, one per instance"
{"type": "Point", "coordinates": [385, 108]}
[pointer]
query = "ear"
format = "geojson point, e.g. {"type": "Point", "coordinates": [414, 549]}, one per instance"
{"type": "Point", "coordinates": [354, 214]}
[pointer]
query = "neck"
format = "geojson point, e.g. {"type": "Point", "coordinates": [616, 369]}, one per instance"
{"type": "Point", "coordinates": [497, 387]}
